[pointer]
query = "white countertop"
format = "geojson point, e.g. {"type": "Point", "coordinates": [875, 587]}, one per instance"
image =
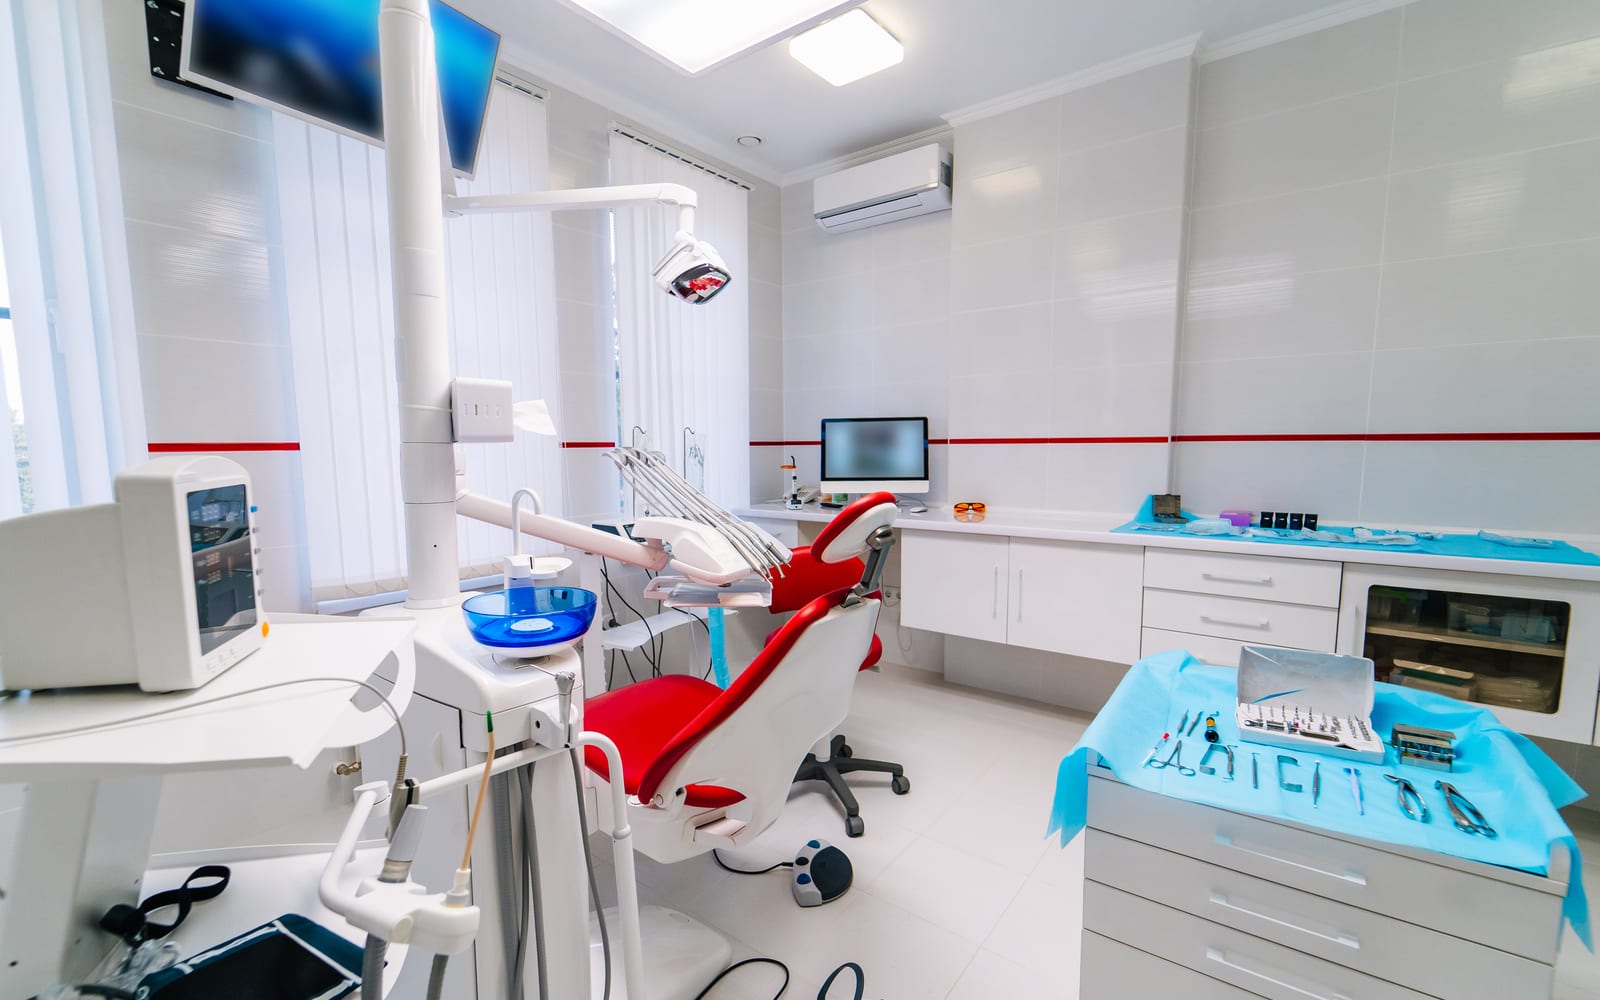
{"type": "Point", "coordinates": [1081, 526]}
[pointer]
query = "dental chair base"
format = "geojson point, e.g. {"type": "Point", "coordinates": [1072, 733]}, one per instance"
{"type": "Point", "coordinates": [840, 762]}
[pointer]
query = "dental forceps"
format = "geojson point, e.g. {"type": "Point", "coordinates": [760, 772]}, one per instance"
{"type": "Point", "coordinates": [1408, 794]}
{"type": "Point", "coordinates": [1175, 759]}
{"type": "Point", "coordinates": [1465, 815]}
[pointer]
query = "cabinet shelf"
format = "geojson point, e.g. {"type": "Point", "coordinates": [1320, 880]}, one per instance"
{"type": "Point", "coordinates": [1434, 633]}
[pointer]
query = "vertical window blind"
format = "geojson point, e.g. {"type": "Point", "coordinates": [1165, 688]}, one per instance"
{"type": "Point", "coordinates": [70, 405]}
{"type": "Point", "coordinates": [502, 318]}
{"type": "Point", "coordinates": [684, 365]}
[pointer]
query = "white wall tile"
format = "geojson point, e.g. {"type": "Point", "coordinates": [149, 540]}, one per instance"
{"type": "Point", "coordinates": [1008, 405]}
{"type": "Point", "coordinates": [284, 582]}
{"type": "Point", "coordinates": [1321, 477]}
{"type": "Point", "coordinates": [1147, 101]}
{"type": "Point", "coordinates": [1274, 312]}
{"type": "Point", "coordinates": [766, 363]}
{"type": "Point", "coordinates": [1013, 339]}
{"type": "Point", "coordinates": [1002, 273]}
{"type": "Point", "coordinates": [1333, 142]}
{"type": "Point", "coordinates": [797, 207]}
{"type": "Point", "coordinates": [1005, 185]}
{"type": "Point", "coordinates": [911, 293]}
{"type": "Point", "coordinates": [810, 253]}
{"type": "Point", "coordinates": [1485, 484]}
{"type": "Point", "coordinates": [999, 475]}
{"type": "Point", "coordinates": [1545, 385]}
{"type": "Point", "coordinates": [1499, 107]}
{"type": "Point", "coordinates": [188, 283]}
{"type": "Point", "coordinates": [1087, 334]}
{"type": "Point", "coordinates": [1307, 231]}
{"type": "Point", "coordinates": [1446, 34]}
{"type": "Point", "coordinates": [765, 254]}
{"type": "Point", "coordinates": [1521, 199]}
{"type": "Point", "coordinates": [926, 237]}
{"type": "Point", "coordinates": [212, 390]}
{"type": "Point", "coordinates": [1307, 394]}
{"type": "Point", "coordinates": [918, 353]}
{"type": "Point", "coordinates": [1115, 401]}
{"type": "Point", "coordinates": [1120, 268]}
{"type": "Point", "coordinates": [766, 309]}
{"type": "Point", "coordinates": [1525, 294]}
{"type": "Point", "coordinates": [1342, 60]}
{"type": "Point", "coordinates": [1141, 174]}
{"type": "Point", "coordinates": [766, 414]}
{"type": "Point", "coordinates": [1103, 477]}
{"type": "Point", "coordinates": [814, 309]}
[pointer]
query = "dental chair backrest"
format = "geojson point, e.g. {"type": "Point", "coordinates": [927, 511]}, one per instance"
{"type": "Point", "coordinates": [795, 692]}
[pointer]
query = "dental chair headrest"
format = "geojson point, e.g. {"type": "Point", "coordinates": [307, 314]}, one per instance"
{"type": "Point", "coordinates": [845, 537]}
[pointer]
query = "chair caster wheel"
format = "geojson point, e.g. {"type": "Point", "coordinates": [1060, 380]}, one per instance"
{"type": "Point", "coordinates": [855, 826]}
{"type": "Point", "coordinates": [900, 784]}
{"type": "Point", "coordinates": [845, 751]}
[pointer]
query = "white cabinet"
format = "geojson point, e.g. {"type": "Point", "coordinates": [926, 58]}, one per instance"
{"type": "Point", "coordinates": [955, 584]}
{"type": "Point", "coordinates": [1211, 603]}
{"type": "Point", "coordinates": [1527, 648]}
{"type": "Point", "coordinates": [1077, 598]}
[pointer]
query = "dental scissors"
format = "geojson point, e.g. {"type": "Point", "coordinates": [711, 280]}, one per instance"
{"type": "Point", "coordinates": [1175, 759]}
{"type": "Point", "coordinates": [1408, 794]}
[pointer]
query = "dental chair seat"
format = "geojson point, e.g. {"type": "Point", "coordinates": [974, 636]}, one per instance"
{"type": "Point", "coordinates": [642, 726]}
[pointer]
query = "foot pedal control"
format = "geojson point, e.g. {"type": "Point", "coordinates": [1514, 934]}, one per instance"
{"type": "Point", "coordinates": [822, 873]}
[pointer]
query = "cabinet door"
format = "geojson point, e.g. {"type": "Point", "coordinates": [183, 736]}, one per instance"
{"type": "Point", "coordinates": [954, 584]}
{"type": "Point", "coordinates": [1077, 598]}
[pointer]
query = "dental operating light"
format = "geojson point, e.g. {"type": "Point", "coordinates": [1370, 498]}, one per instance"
{"type": "Point", "coordinates": [697, 36]}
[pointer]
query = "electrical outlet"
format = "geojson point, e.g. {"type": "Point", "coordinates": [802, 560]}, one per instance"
{"type": "Point", "coordinates": [481, 410]}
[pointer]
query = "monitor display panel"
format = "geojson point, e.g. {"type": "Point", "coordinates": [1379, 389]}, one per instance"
{"type": "Point", "coordinates": [224, 568]}
{"type": "Point", "coordinates": [860, 455]}
{"type": "Point", "coordinates": [318, 60]}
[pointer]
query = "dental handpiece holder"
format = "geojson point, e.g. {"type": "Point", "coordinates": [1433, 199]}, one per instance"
{"type": "Point", "coordinates": [1314, 702]}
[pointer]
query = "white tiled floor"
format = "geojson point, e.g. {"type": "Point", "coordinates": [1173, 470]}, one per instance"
{"type": "Point", "coordinates": [957, 894]}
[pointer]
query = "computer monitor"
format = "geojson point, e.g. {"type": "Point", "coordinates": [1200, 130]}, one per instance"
{"type": "Point", "coordinates": [318, 60]}
{"type": "Point", "coordinates": [865, 454]}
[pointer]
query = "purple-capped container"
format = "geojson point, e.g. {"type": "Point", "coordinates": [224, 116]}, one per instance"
{"type": "Point", "coordinates": [1238, 518]}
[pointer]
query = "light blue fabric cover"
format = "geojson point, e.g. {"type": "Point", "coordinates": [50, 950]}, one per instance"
{"type": "Point", "coordinates": [1511, 781]}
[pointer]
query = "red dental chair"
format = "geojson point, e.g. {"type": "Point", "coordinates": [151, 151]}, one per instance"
{"type": "Point", "coordinates": [707, 768]}
{"type": "Point", "coordinates": [817, 569]}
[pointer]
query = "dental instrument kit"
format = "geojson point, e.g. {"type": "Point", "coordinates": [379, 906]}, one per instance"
{"type": "Point", "coordinates": [1423, 747]}
{"type": "Point", "coordinates": [1317, 702]}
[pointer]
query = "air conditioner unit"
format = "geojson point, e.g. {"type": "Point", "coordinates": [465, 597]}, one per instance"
{"type": "Point", "coordinates": [916, 182]}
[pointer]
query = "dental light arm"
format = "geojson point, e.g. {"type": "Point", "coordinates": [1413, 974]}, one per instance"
{"type": "Point", "coordinates": [584, 198]}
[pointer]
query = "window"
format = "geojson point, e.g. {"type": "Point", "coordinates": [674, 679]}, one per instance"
{"type": "Point", "coordinates": [500, 295]}
{"type": "Point", "coordinates": [684, 366]}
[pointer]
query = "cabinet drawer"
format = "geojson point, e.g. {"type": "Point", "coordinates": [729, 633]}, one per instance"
{"type": "Point", "coordinates": [1113, 971]}
{"type": "Point", "coordinates": [1247, 621]}
{"type": "Point", "coordinates": [1246, 961]}
{"type": "Point", "coordinates": [1374, 943]}
{"type": "Point", "coordinates": [1514, 918]}
{"type": "Point", "coordinates": [955, 584]}
{"type": "Point", "coordinates": [1206, 648]}
{"type": "Point", "coordinates": [1266, 578]}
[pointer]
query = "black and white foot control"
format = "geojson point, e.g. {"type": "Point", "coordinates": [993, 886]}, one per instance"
{"type": "Point", "coordinates": [822, 873]}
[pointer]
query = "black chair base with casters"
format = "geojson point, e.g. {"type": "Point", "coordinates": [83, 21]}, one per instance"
{"type": "Point", "coordinates": [842, 761]}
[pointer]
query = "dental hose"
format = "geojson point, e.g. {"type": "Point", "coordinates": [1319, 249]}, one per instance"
{"type": "Point", "coordinates": [372, 967]}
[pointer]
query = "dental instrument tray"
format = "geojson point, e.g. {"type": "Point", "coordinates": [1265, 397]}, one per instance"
{"type": "Point", "coordinates": [1317, 702]}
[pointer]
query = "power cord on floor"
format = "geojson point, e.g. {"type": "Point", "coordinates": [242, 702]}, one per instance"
{"type": "Point", "coordinates": [745, 871]}
{"type": "Point", "coordinates": [827, 984]}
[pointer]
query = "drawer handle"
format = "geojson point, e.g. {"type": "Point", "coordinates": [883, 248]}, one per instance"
{"type": "Point", "coordinates": [1263, 624]}
{"type": "Point", "coordinates": [1259, 581]}
{"type": "Point", "coordinates": [1267, 974]}
{"type": "Point", "coordinates": [1330, 934]}
{"type": "Point", "coordinates": [1354, 878]}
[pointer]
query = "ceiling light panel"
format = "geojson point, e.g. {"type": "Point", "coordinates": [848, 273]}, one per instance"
{"type": "Point", "coordinates": [700, 35]}
{"type": "Point", "coordinates": [847, 48]}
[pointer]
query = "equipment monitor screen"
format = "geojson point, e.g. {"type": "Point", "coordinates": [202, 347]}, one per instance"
{"type": "Point", "coordinates": [224, 568]}
{"type": "Point", "coordinates": [318, 59]}
{"type": "Point", "coordinates": [884, 450]}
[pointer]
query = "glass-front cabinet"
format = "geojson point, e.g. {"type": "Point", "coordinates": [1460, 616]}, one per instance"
{"type": "Point", "coordinates": [1527, 648]}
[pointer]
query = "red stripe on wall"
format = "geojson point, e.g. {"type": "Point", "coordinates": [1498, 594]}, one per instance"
{"type": "Point", "coordinates": [785, 444]}
{"type": "Point", "coordinates": [588, 444]}
{"type": "Point", "coordinates": [1420, 436]}
{"type": "Point", "coordinates": [1162, 439]}
{"type": "Point", "coordinates": [189, 447]}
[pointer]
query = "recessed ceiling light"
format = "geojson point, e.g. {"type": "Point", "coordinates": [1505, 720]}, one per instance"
{"type": "Point", "coordinates": [847, 48]}
{"type": "Point", "coordinates": [700, 35]}
{"type": "Point", "coordinates": [749, 140]}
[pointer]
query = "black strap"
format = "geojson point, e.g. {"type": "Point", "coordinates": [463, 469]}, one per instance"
{"type": "Point", "coordinates": [861, 980]}
{"type": "Point", "coordinates": [133, 923]}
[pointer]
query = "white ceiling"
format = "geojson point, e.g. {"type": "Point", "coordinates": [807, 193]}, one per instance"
{"type": "Point", "coordinates": [958, 53]}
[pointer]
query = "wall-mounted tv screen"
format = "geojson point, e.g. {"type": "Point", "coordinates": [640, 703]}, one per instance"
{"type": "Point", "coordinates": [318, 60]}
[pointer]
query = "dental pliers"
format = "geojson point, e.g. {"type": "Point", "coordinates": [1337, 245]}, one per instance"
{"type": "Point", "coordinates": [1408, 794]}
{"type": "Point", "coordinates": [1465, 815]}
